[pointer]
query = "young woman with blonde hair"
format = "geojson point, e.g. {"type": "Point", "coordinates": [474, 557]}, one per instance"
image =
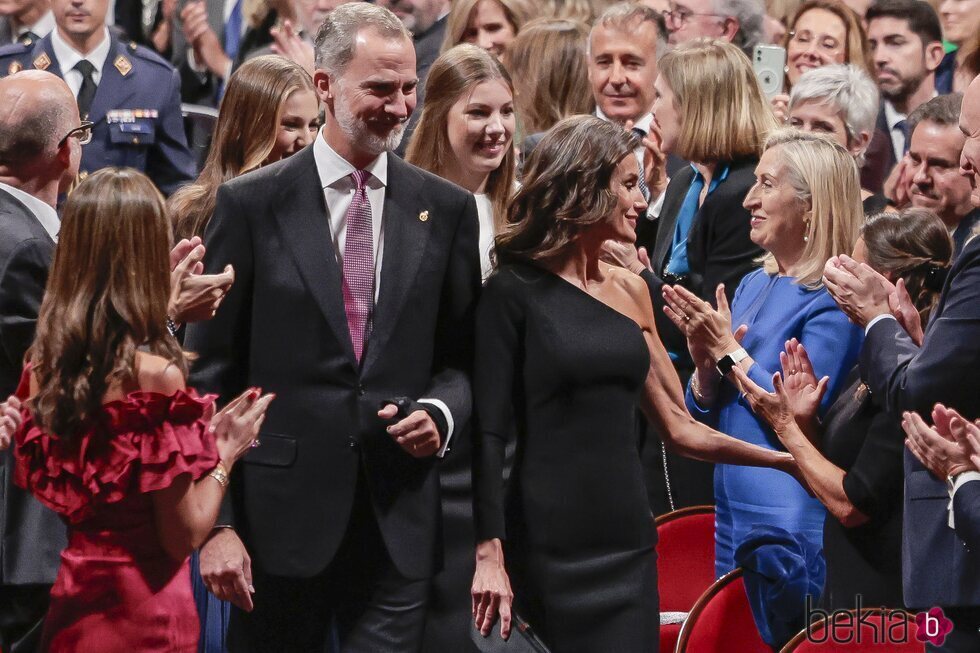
{"type": "Point", "coordinates": [489, 24]}
{"type": "Point", "coordinates": [466, 133]}
{"type": "Point", "coordinates": [269, 111]}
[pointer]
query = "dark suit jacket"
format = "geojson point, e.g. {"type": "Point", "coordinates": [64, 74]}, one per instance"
{"type": "Point", "coordinates": [966, 515]}
{"type": "Point", "coordinates": [937, 568]}
{"type": "Point", "coordinates": [283, 327]}
{"type": "Point", "coordinates": [880, 156]}
{"type": "Point", "coordinates": [964, 230]}
{"type": "Point", "coordinates": [718, 246]}
{"type": "Point", "coordinates": [31, 536]}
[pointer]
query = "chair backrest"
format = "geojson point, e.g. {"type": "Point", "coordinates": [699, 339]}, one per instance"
{"type": "Point", "coordinates": [721, 621]}
{"type": "Point", "coordinates": [685, 556]}
{"type": "Point", "coordinates": [872, 630]}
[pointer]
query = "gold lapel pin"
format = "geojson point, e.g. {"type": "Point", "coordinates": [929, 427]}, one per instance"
{"type": "Point", "coordinates": [424, 216]}
{"type": "Point", "coordinates": [122, 65]}
{"type": "Point", "coordinates": [42, 61]}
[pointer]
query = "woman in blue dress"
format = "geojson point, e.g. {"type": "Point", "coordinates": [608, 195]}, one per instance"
{"type": "Point", "coordinates": [805, 208]}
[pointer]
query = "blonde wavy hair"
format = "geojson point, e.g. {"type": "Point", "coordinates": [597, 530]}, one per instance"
{"type": "Point", "coordinates": [517, 12]}
{"type": "Point", "coordinates": [825, 178]}
{"type": "Point", "coordinates": [726, 116]}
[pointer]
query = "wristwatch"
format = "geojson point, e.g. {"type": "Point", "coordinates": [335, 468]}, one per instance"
{"type": "Point", "coordinates": [730, 360]}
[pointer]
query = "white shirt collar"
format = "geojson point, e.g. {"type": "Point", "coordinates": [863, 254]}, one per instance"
{"type": "Point", "coordinates": [892, 116]}
{"type": "Point", "coordinates": [68, 56]}
{"type": "Point", "coordinates": [44, 213]}
{"type": "Point", "coordinates": [331, 167]}
{"type": "Point", "coordinates": [643, 122]}
{"type": "Point", "coordinates": [43, 27]}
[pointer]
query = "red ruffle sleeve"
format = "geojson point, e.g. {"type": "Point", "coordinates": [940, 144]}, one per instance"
{"type": "Point", "coordinates": [141, 444]}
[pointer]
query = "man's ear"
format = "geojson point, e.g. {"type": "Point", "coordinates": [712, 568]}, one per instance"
{"type": "Point", "coordinates": [324, 85]}
{"type": "Point", "coordinates": [730, 28]}
{"type": "Point", "coordinates": [934, 55]}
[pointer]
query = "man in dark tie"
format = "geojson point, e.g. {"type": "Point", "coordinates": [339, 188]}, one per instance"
{"type": "Point", "coordinates": [130, 94]}
{"type": "Point", "coordinates": [356, 279]}
{"type": "Point", "coordinates": [937, 568]}
{"type": "Point", "coordinates": [40, 150]}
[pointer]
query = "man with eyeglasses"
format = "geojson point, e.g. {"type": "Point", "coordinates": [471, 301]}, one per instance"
{"type": "Point", "coordinates": [40, 151]}
{"type": "Point", "coordinates": [737, 21]}
{"type": "Point", "coordinates": [130, 94]}
{"type": "Point", "coordinates": [907, 48]}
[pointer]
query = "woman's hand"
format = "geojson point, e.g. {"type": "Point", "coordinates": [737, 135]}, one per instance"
{"type": "Point", "coordinates": [708, 331]}
{"type": "Point", "coordinates": [780, 107]}
{"type": "Point", "coordinates": [491, 592]}
{"type": "Point", "coordinates": [773, 407]}
{"type": "Point", "coordinates": [803, 391]}
{"type": "Point", "coordinates": [623, 255]}
{"type": "Point", "coordinates": [10, 421]}
{"type": "Point", "coordinates": [236, 426]}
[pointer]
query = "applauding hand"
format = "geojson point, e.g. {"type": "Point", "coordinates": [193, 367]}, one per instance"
{"type": "Point", "coordinates": [946, 448]}
{"type": "Point", "coordinates": [803, 391]}
{"type": "Point", "coordinates": [10, 421]}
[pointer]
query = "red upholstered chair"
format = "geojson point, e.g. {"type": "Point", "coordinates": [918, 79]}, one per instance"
{"type": "Point", "coordinates": [874, 634]}
{"type": "Point", "coordinates": [685, 563]}
{"type": "Point", "coordinates": [721, 621]}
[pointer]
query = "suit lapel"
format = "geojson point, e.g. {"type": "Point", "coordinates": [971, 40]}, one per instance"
{"type": "Point", "coordinates": [405, 239]}
{"type": "Point", "coordinates": [301, 214]}
{"type": "Point", "coordinates": [114, 88]}
{"type": "Point", "coordinates": [668, 218]}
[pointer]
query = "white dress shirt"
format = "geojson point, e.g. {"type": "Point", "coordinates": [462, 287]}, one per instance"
{"type": "Point", "coordinates": [484, 210]}
{"type": "Point", "coordinates": [656, 204]}
{"type": "Point", "coordinates": [68, 57]}
{"type": "Point", "coordinates": [43, 26]}
{"type": "Point", "coordinates": [44, 213]}
{"type": "Point", "coordinates": [338, 190]}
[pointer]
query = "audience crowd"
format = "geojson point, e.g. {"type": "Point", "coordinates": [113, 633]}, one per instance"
{"type": "Point", "coordinates": [460, 295]}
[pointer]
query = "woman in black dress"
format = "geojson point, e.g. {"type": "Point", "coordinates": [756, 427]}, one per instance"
{"type": "Point", "coordinates": [858, 474]}
{"type": "Point", "coordinates": [566, 350]}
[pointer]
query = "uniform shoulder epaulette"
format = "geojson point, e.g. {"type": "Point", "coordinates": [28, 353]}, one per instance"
{"type": "Point", "coordinates": [146, 54]}
{"type": "Point", "coordinates": [12, 57]}
{"type": "Point", "coordinates": [17, 48]}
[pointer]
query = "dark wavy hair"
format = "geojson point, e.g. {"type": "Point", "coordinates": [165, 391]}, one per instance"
{"type": "Point", "coordinates": [106, 297]}
{"type": "Point", "coordinates": [566, 189]}
{"type": "Point", "coordinates": [913, 245]}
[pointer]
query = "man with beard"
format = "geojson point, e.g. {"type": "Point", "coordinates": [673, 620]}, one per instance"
{"type": "Point", "coordinates": [934, 167]}
{"type": "Point", "coordinates": [356, 280]}
{"type": "Point", "coordinates": [907, 46]}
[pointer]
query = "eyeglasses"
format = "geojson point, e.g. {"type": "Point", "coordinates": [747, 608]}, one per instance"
{"type": "Point", "coordinates": [826, 44]}
{"type": "Point", "coordinates": [677, 17]}
{"type": "Point", "coordinates": [83, 133]}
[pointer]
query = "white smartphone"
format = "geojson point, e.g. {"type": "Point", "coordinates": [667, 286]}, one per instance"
{"type": "Point", "coordinates": [769, 62]}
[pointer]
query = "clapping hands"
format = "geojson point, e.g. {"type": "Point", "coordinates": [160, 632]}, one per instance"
{"type": "Point", "coordinates": [10, 421]}
{"type": "Point", "coordinates": [949, 447]}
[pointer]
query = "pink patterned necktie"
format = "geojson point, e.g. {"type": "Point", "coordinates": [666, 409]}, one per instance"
{"type": "Point", "coordinates": [359, 265]}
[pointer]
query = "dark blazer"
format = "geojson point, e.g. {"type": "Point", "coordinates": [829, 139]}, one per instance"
{"type": "Point", "coordinates": [718, 247]}
{"type": "Point", "coordinates": [966, 515]}
{"type": "Point", "coordinates": [964, 230]}
{"type": "Point", "coordinates": [283, 327]}
{"type": "Point", "coordinates": [31, 536]}
{"type": "Point", "coordinates": [937, 569]}
{"type": "Point", "coordinates": [136, 79]}
{"type": "Point", "coordinates": [880, 156]}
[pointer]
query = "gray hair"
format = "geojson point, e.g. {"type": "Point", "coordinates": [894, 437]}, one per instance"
{"type": "Point", "coordinates": [26, 136]}
{"type": "Point", "coordinates": [942, 110]}
{"type": "Point", "coordinates": [750, 15]}
{"type": "Point", "coordinates": [336, 39]}
{"type": "Point", "coordinates": [845, 86]}
{"type": "Point", "coordinates": [624, 17]}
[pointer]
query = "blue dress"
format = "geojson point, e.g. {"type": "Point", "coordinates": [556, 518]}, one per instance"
{"type": "Point", "coordinates": [775, 309]}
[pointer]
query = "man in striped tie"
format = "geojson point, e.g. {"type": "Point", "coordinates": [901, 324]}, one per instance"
{"type": "Point", "coordinates": [358, 278]}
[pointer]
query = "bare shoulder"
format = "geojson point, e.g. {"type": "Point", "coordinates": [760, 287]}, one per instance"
{"type": "Point", "coordinates": [157, 374]}
{"type": "Point", "coordinates": [626, 281]}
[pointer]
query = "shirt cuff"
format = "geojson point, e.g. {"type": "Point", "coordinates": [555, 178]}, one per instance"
{"type": "Point", "coordinates": [444, 409]}
{"type": "Point", "coordinates": [961, 479]}
{"type": "Point", "coordinates": [192, 63]}
{"type": "Point", "coordinates": [876, 320]}
{"type": "Point", "coordinates": [653, 211]}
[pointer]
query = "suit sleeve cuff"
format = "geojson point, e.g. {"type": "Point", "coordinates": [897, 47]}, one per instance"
{"type": "Point", "coordinates": [961, 479]}
{"type": "Point", "coordinates": [443, 419]}
{"type": "Point", "coordinates": [876, 320]}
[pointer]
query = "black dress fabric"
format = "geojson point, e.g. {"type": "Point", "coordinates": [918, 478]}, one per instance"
{"type": "Point", "coordinates": [874, 204]}
{"type": "Point", "coordinates": [562, 373]}
{"type": "Point", "coordinates": [867, 444]}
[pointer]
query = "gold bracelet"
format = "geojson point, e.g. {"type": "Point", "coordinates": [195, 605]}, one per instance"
{"type": "Point", "coordinates": [220, 474]}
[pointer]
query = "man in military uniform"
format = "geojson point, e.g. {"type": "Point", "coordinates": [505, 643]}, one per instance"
{"type": "Point", "coordinates": [25, 20]}
{"type": "Point", "coordinates": [129, 94]}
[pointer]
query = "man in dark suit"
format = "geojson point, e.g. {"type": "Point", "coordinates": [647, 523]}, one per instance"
{"type": "Point", "coordinates": [938, 569]}
{"type": "Point", "coordinates": [130, 94]}
{"type": "Point", "coordinates": [906, 45]}
{"type": "Point", "coordinates": [39, 157]}
{"type": "Point", "coordinates": [356, 279]}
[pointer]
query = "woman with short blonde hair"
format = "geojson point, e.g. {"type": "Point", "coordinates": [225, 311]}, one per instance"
{"type": "Point", "coordinates": [490, 24]}
{"type": "Point", "coordinates": [805, 208]}
{"type": "Point", "coordinates": [551, 78]}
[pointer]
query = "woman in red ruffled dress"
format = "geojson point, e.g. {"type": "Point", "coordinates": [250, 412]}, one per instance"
{"type": "Point", "coordinates": [108, 436]}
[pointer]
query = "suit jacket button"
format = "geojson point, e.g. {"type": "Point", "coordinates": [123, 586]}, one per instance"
{"type": "Point", "coordinates": [360, 390]}
{"type": "Point", "coordinates": [352, 443]}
